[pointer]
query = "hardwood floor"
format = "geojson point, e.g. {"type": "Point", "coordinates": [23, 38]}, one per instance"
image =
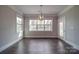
{"type": "Point", "coordinates": [40, 46]}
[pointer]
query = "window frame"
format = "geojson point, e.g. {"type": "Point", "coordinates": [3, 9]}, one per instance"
{"type": "Point", "coordinates": [20, 24]}
{"type": "Point", "coordinates": [43, 25]}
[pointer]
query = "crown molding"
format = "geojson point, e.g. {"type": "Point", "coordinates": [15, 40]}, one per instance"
{"type": "Point", "coordinates": [15, 9]}
{"type": "Point", "coordinates": [66, 9]}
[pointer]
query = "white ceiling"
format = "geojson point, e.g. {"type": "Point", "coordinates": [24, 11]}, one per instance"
{"type": "Point", "coordinates": [35, 9]}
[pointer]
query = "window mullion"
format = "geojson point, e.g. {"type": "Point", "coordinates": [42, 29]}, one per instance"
{"type": "Point", "coordinates": [37, 26]}
{"type": "Point", "coordinates": [44, 25]}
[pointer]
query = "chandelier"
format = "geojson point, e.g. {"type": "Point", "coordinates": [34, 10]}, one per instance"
{"type": "Point", "coordinates": [41, 17]}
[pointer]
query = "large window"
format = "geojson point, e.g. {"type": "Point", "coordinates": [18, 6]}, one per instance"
{"type": "Point", "coordinates": [40, 25]}
{"type": "Point", "coordinates": [19, 26]}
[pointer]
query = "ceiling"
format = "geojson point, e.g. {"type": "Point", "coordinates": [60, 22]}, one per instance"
{"type": "Point", "coordinates": [46, 9]}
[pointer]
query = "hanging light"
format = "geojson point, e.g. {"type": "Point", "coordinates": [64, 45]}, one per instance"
{"type": "Point", "coordinates": [41, 15]}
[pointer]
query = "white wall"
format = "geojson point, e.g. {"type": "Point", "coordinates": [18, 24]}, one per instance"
{"type": "Point", "coordinates": [8, 34]}
{"type": "Point", "coordinates": [71, 26]}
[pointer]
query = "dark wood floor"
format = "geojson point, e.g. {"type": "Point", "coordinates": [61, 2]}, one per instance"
{"type": "Point", "coordinates": [40, 46]}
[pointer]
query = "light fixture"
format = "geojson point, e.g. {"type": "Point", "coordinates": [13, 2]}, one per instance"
{"type": "Point", "coordinates": [41, 14]}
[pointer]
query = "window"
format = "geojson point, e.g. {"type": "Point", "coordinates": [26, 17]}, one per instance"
{"type": "Point", "coordinates": [19, 26]}
{"type": "Point", "coordinates": [40, 25]}
{"type": "Point", "coordinates": [61, 28]}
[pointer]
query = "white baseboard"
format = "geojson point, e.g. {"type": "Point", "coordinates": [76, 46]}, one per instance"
{"type": "Point", "coordinates": [8, 45]}
{"type": "Point", "coordinates": [41, 36]}
{"type": "Point", "coordinates": [72, 44]}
